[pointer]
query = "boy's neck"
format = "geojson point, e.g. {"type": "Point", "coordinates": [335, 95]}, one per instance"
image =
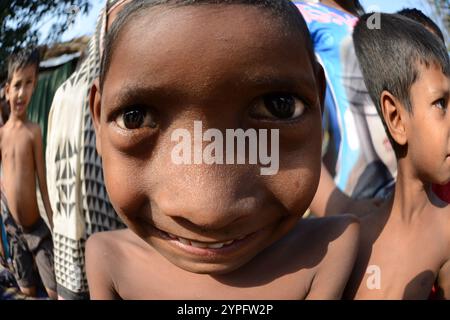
{"type": "Point", "coordinates": [413, 197]}
{"type": "Point", "coordinates": [18, 119]}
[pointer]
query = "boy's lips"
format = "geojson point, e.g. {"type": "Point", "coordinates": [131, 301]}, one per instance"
{"type": "Point", "coordinates": [204, 245]}
{"type": "Point", "coordinates": [20, 106]}
{"type": "Point", "coordinates": [210, 249]}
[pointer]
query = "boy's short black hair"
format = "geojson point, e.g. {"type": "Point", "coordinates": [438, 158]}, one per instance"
{"type": "Point", "coordinates": [21, 59]}
{"type": "Point", "coordinates": [420, 17]}
{"type": "Point", "coordinates": [284, 9]}
{"type": "Point", "coordinates": [390, 57]}
{"type": "Point", "coordinates": [353, 7]}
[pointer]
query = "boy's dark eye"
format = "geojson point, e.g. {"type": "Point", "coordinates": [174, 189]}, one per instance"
{"type": "Point", "coordinates": [278, 106]}
{"type": "Point", "coordinates": [441, 104]}
{"type": "Point", "coordinates": [135, 118]}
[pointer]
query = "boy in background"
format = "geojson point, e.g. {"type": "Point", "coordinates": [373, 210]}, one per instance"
{"type": "Point", "coordinates": [404, 246]}
{"type": "Point", "coordinates": [22, 160]}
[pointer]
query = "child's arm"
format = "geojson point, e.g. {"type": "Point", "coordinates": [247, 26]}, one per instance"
{"type": "Point", "coordinates": [329, 200]}
{"type": "Point", "coordinates": [443, 289]}
{"type": "Point", "coordinates": [101, 286]}
{"type": "Point", "coordinates": [335, 268]}
{"type": "Point", "coordinates": [40, 169]}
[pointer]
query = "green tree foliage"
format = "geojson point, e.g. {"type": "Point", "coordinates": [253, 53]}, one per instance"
{"type": "Point", "coordinates": [20, 21]}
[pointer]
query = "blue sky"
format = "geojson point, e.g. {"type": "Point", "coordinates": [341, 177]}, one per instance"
{"type": "Point", "coordinates": [85, 24]}
{"type": "Point", "coordinates": [393, 6]}
{"type": "Point", "coordinates": [82, 24]}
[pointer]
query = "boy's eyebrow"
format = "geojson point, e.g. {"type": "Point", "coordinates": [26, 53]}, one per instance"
{"type": "Point", "coordinates": [281, 80]}
{"type": "Point", "coordinates": [441, 92]}
{"type": "Point", "coordinates": [131, 91]}
{"type": "Point", "coordinates": [296, 80]}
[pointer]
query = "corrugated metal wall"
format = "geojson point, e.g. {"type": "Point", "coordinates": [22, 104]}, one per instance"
{"type": "Point", "coordinates": [48, 83]}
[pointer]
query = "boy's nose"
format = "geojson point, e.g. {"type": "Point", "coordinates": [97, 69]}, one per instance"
{"type": "Point", "coordinates": [206, 200]}
{"type": "Point", "coordinates": [20, 92]}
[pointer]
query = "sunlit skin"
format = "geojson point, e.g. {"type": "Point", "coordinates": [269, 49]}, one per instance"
{"type": "Point", "coordinates": [441, 190]}
{"type": "Point", "coordinates": [18, 139]}
{"type": "Point", "coordinates": [22, 156]}
{"type": "Point", "coordinates": [215, 64]}
{"type": "Point", "coordinates": [409, 238]}
{"type": "Point", "coordinates": [20, 89]}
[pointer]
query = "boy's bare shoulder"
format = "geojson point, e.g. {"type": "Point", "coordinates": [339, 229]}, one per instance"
{"type": "Point", "coordinates": [341, 233]}
{"type": "Point", "coordinates": [313, 240]}
{"type": "Point", "coordinates": [320, 253]}
{"type": "Point", "coordinates": [330, 236]}
{"type": "Point", "coordinates": [109, 249]}
{"type": "Point", "coordinates": [34, 128]}
{"type": "Point", "coordinates": [112, 240]}
{"type": "Point", "coordinates": [335, 229]}
{"type": "Point", "coordinates": [116, 245]}
{"type": "Point", "coordinates": [106, 253]}
{"type": "Point", "coordinates": [334, 242]}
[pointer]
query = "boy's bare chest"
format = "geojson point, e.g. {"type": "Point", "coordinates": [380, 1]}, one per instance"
{"type": "Point", "coordinates": [186, 289]}
{"type": "Point", "coordinates": [18, 140]}
{"type": "Point", "coordinates": [17, 144]}
{"type": "Point", "coordinates": [169, 282]}
{"type": "Point", "coordinates": [396, 267]}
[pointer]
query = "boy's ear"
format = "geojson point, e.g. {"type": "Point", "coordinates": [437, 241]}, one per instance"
{"type": "Point", "coordinates": [7, 86]}
{"type": "Point", "coordinates": [394, 116]}
{"type": "Point", "coordinates": [321, 85]}
{"type": "Point", "coordinates": [95, 107]}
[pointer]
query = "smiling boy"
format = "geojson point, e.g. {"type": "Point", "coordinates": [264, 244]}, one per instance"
{"type": "Point", "coordinates": [218, 231]}
{"type": "Point", "coordinates": [22, 160]}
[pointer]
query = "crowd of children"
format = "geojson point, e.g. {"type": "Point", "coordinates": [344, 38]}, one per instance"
{"type": "Point", "coordinates": [356, 107]}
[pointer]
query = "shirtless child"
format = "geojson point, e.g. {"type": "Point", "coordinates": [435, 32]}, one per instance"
{"type": "Point", "coordinates": [405, 247]}
{"type": "Point", "coordinates": [218, 231]}
{"type": "Point", "coordinates": [22, 161]}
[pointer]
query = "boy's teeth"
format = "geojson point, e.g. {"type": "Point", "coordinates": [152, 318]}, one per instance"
{"type": "Point", "coordinates": [202, 245]}
{"type": "Point", "coordinates": [216, 245]}
{"type": "Point", "coordinates": [184, 241]}
{"type": "Point", "coordinates": [199, 244]}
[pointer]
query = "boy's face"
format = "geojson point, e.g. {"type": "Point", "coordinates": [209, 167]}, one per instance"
{"type": "Point", "coordinates": [428, 126]}
{"type": "Point", "coordinates": [225, 66]}
{"type": "Point", "coordinates": [20, 89]}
